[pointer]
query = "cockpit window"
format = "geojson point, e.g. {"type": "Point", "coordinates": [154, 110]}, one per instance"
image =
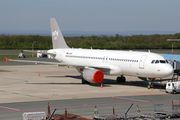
{"type": "Point", "coordinates": [162, 61]}
{"type": "Point", "coordinates": [166, 61]}
{"type": "Point", "coordinates": [153, 61]}
{"type": "Point", "coordinates": [157, 61]}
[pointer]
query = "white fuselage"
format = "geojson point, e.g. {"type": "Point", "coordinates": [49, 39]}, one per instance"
{"type": "Point", "coordinates": [130, 63]}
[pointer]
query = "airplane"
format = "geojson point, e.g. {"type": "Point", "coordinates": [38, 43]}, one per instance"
{"type": "Point", "coordinates": [93, 64]}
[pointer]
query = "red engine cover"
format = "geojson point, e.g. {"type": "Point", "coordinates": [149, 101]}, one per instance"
{"type": "Point", "coordinates": [93, 76]}
{"type": "Point", "coordinates": [98, 76]}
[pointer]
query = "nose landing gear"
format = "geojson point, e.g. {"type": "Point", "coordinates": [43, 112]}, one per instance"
{"type": "Point", "coordinates": [150, 85]}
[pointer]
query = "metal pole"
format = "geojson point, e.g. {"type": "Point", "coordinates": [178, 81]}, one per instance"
{"type": "Point", "coordinates": [172, 47]}
{"type": "Point", "coordinates": [32, 49]}
{"type": "Point", "coordinates": [52, 114]}
{"type": "Point", "coordinates": [128, 110]}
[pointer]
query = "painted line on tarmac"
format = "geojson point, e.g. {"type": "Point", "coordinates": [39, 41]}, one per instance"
{"type": "Point", "coordinates": [137, 95]}
{"type": "Point", "coordinates": [35, 109]}
{"type": "Point", "coordinates": [24, 94]}
{"type": "Point", "coordinates": [132, 99]}
{"type": "Point", "coordinates": [10, 108]}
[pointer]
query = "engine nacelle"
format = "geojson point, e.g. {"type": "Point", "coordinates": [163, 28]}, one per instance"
{"type": "Point", "coordinates": [93, 76]}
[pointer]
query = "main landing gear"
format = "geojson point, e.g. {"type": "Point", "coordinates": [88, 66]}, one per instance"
{"type": "Point", "coordinates": [84, 81]}
{"type": "Point", "coordinates": [121, 79]}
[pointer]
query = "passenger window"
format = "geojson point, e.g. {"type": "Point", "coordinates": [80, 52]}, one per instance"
{"type": "Point", "coordinates": [153, 61]}
{"type": "Point", "coordinates": [157, 61]}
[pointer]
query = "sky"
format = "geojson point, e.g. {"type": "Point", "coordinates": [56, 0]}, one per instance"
{"type": "Point", "coordinates": [91, 15]}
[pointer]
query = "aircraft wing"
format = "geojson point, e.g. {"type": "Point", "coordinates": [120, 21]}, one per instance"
{"type": "Point", "coordinates": [60, 64]}
{"type": "Point", "coordinates": [31, 51]}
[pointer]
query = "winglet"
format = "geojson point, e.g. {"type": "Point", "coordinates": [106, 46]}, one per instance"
{"type": "Point", "coordinates": [6, 59]}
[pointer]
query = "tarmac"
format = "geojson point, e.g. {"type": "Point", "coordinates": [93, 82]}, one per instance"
{"type": "Point", "coordinates": [30, 87]}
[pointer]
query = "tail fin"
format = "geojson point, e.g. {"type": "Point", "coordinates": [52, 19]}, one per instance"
{"type": "Point", "coordinates": [57, 37]}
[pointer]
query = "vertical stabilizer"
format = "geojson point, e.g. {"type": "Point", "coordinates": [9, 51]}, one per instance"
{"type": "Point", "coordinates": [57, 37]}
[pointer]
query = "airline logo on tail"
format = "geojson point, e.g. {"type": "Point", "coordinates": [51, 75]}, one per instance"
{"type": "Point", "coordinates": [55, 34]}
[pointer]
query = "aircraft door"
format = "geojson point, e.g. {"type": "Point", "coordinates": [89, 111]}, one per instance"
{"type": "Point", "coordinates": [61, 55]}
{"type": "Point", "coordinates": [105, 59]}
{"type": "Point", "coordinates": [142, 61]}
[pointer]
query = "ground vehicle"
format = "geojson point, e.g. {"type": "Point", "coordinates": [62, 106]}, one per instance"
{"type": "Point", "coordinates": [173, 87]}
{"type": "Point", "coordinates": [43, 56]}
{"type": "Point", "coordinates": [21, 55]}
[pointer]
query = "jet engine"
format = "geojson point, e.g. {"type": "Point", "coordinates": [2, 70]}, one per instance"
{"type": "Point", "coordinates": [93, 76]}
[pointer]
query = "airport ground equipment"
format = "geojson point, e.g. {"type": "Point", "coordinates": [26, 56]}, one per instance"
{"type": "Point", "coordinates": [65, 116]}
{"type": "Point", "coordinates": [21, 55]}
{"type": "Point", "coordinates": [173, 87]}
{"type": "Point", "coordinates": [34, 116]}
{"type": "Point", "coordinates": [162, 112]}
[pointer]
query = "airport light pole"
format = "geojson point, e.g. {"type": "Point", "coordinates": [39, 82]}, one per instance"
{"type": "Point", "coordinates": [173, 40]}
{"type": "Point", "coordinates": [33, 48]}
{"type": "Point", "coordinates": [172, 47]}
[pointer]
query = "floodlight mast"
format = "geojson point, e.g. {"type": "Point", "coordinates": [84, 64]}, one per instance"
{"type": "Point", "coordinates": [173, 40]}
{"type": "Point", "coordinates": [172, 47]}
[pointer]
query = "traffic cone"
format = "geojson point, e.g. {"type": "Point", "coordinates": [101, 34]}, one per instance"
{"type": "Point", "coordinates": [101, 85]}
{"type": "Point", "coordinates": [38, 74]}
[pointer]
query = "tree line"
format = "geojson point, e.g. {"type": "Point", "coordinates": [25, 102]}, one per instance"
{"type": "Point", "coordinates": [116, 42]}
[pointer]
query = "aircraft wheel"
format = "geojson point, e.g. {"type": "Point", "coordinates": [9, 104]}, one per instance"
{"type": "Point", "coordinates": [85, 82]}
{"type": "Point", "coordinates": [118, 79]}
{"type": "Point", "coordinates": [174, 92]}
{"type": "Point", "coordinates": [150, 86]}
{"type": "Point", "coordinates": [123, 79]}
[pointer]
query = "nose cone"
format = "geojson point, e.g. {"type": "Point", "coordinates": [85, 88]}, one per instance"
{"type": "Point", "coordinates": [168, 70]}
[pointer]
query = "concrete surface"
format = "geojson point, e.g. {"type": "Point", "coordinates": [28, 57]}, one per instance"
{"type": "Point", "coordinates": [22, 84]}
{"type": "Point", "coordinates": [22, 90]}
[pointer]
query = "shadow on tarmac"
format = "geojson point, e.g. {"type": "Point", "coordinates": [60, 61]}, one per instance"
{"type": "Point", "coordinates": [109, 82]}
{"type": "Point", "coordinates": [6, 71]}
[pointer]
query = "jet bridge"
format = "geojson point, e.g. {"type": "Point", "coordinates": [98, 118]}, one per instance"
{"type": "Point", "coordinates": [176, 67]}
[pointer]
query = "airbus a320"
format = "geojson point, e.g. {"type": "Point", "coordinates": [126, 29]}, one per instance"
{"type": "Point", "coordinates": [93, 64]}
